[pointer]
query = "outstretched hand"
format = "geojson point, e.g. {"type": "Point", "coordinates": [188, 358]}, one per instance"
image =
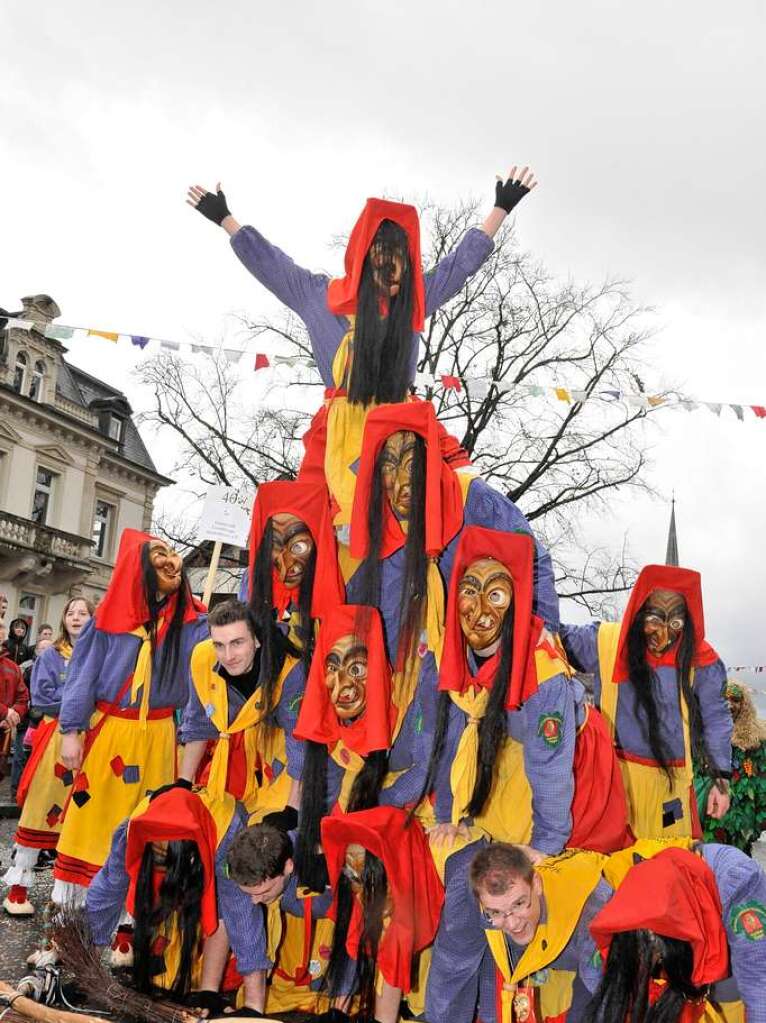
{"type": "Point", "coordinates": [210, 204]}
{"type": "Point", "coordinates": [511, 191]}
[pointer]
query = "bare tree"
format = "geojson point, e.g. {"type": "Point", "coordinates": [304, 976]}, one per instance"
{"type": "Point", "coordinates": [512, 329]}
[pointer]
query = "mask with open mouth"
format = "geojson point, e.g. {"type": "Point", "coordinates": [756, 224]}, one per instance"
{"type": "Point", "coordinates": [167, 565]}
{"type": "Point", "coordinates": [292, 547]}
{"type": "Point", "coordinates": [485, 595]}
{"type": "Point", "coordinates": [346, 677]}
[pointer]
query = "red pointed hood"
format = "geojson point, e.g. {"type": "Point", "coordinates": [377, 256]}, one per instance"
{"type": "Point", "coordinates": [516, 552]}
{"type": "Point", "coordinates": [342, 292]}
{"type": "Point", "coordinates": [444, 499]}
{"type": "Point", "coordinates": [317, 719]}
{"type": "Point", "coordinates": [665, 577]}
{"type": "Point", "coordinates": [684, 904]}
{"type": "Point", "coordinates": [176, 815]}
{"type": "Point", "coordinates": [416, 892]}
{"type": "Point", "coordinates": [123, 607]}
{"type": "Point", "coordinates": [310, 502]}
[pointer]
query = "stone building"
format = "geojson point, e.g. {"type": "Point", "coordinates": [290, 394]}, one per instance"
{"type": "Point", "coordinates": [74, 472]}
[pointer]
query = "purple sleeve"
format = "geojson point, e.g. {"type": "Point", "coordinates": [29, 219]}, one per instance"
{"type": "Point", "coordinates": [742, 887]}
{"type": "Point", "coordinates": [87, 663]}
{"type": "Point", "coordinates": [581, 645]}
{"type": "Point", "coordinates": [442, 787]}
{"type": "Point", "coordinates": [47, 682]}
{"type": "Point", "coordinates": [548, 762]}
{"type": "Point", "coordinates": [589, 968]}
{"type": "Point", "coordinates": [105, 897]}
{"type": "Point", "coordinates": [459, 947]}
{"type": "Point", "coordinates": [195, 724]}
{"type": "Point", "coordinates": [450, 274]}
{"type": "Point", "coordinates": [485, 506]}
{"type": "Point", "coordinates": [287, 717]}
{"type": "Point", "coordinates": [244, 921]}
{"type": "Point", "coordinates": [709, 685]}
{"type": "Point", "coordinates": [294, 905]}
{"type": "Point", "coordinates": [409, 754]}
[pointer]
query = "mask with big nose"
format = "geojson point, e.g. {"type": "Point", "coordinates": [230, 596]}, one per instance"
{"type": "Point", "coordinates": [396, 469]}
{"type": "Point", "coordinates": [664, 618]}
{"type": "Point", "coordinates": [292, 546]}
{"type": "Point", "coordinates": [346, 677]}
{"type": "Point", "coordinates": [485, 596]}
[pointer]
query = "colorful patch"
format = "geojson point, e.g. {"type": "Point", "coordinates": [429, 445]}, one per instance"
{"type": "Point", "coordinates": [117, 765]}
{"type": "Point", "coordinates": [749, 920]}
{"type": "Point", "coordinates": [80, 798]}
{"type": "Point", "coordinates": [672, 811]}
{"type": "Point", "coordinates": [130, 774]}
{"type": "Point", "coordinates": [209, 710]}
{"type": "Point", "coordinates": [419, 721]}
{"type": "Point", "coordinates": [549, 728]}
{"type": "Point", "coordinates": [54, 815]}
{"type": "Point", "coordinates": [540, 977]}
{"type": "Point", "coordinates": [595, 960]}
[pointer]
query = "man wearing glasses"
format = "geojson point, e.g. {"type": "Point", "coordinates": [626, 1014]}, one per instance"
{"type": "Point", "coordinates": [513, 943]}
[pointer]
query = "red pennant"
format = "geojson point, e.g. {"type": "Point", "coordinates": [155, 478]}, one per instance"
{"type": "Point", "coordinates": [759, 410]}
{"type": "Point", "coordinates": [261, 361]}
{"type": "Point", "coordinates": [450, 383]}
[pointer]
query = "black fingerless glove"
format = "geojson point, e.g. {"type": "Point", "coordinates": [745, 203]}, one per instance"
{"type": "Point", "coordinates": [180, 783]}
{"type": "Point", "coordinates": [508, 194]}
{"type": "Point", "coordinates": [213, 206]}
{"type": "Point", "coordinates": [212, 1001]}
{"type": "Point", "coordinates": [286, 820]}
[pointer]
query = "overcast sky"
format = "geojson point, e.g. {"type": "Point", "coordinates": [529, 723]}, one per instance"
{"type": "Point", "coordinates": [644, 122]}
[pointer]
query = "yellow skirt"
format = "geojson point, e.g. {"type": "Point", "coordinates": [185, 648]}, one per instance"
{"type": "Point", "coordinates": [125, 762]}
{"type": "Point", "coordinates": [40, 822]}
{"type": "Point", "coordinates": [655, 808]}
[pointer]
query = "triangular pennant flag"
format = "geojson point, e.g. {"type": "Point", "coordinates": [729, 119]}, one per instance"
{"type": "Point", "coordinates": [654, 400]}
{"type": "Point", "coordinates": [636, 400]}
{"type": "Point", "coordinates": [689, 406]}
{"type": "Point", "coordinates": [108, 335]}
{"type": "Point", "coordinates": [563, 394]}
{"type": "Point", "coordinates": [425, 379]}
{"type": "Point", "coordinates": [15, 324]}
{"type": "Point", "coordinates": [579, 395]}
{"type": "Point", "coordinates": [610, 395]}
{"type": "Point", "coordinates": [738, 412]}
{"type": "Point", "coordinates": [536, 390]}
{"type": "Point", "coordinates": [759, 410]}
{"type": "Point", "coordinates": [261, 361]}
{"type": "Point", "coordinates": [478, 387]}
{"type": "Point", "coordinates": [504, 386]}
{"type": "Point", "coordinates": [172, 346]}
{"type": "Point", "coordinates": [285, 360]}
{"type": "Point", "coordinates": [58, 333]}
{"type": "Point", "coordinates": [139, 341]}
{"type": "Point", "coordinates": [451, 383]}
{"type": "Point", "coordinates": [197, 349]}
{"type": "Point", "coordinates": [714, 407]}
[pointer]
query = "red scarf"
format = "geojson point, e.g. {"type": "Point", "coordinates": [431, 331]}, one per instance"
{"type": "Point", "coordinates": [176, 815]}
{"type": "Point", "coordinates": [516, 552]}
{"type": "Point", "coordinates": [342, 292]}
{"type": "Point", "coordinates": [123, 607]}
{"type": "Point", "coordinates": [310, 502]}
{"type": "Point", "coordinates": [444, 499]}
{"type": "Point", "coordinates": [414, 887]}
{"type": "Point", "coordinates": [317, 719]}
{"type": "Point", "coordinates": [665, 577]}
{"type": "Point", "coordinates": [675, 895]}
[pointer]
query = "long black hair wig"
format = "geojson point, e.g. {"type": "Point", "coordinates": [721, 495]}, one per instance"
{"type": "Point", "coordinates": [635, 957]}
{"type": "Point", "coordinates": [382, 353]}
{"type": "Point", "coordinates": [373, 897]}
{"type": "Point", "coordinates": [178, 903]}
{"type": "Point", "coordinates": [171, 644]}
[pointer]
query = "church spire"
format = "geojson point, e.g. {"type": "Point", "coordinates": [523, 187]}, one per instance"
{"type": "Point", "coordinates": [671, 553]}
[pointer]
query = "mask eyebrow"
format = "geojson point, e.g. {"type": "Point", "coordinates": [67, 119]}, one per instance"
{"type": "Point", "coordinates": [470, 580]}
{"type": "Point", "coordinates": [355, 651]}
{"type": "Point", "coordinates": [503, 576]}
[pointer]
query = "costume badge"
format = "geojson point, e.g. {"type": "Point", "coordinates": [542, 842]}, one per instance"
{"type": "Point", "coordinates": [549, 728]}
{"type": "Point", "coordinates": [524, 1009]}
{"type": "Point", "coordinates": [749, 919]}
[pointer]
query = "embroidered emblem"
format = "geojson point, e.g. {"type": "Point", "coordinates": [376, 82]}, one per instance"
{"type": "Point", "coordinates": [419, 721]}
{"type": "Point", "coordinates": [595, 960]}
{"type": "Point", "coordinates": [749, 919]}
{"type": "Point", "coordinates": [315, 968]}
{"type": "Point", "coordinates": [549, 728]}
{"type": "Point", "coordinates": [209, 710]}
{"type": "Point", "coordinates": [540, 977]}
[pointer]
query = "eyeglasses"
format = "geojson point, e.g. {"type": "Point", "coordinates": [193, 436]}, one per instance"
{"type": "Point", "coordinates": [497, 917]}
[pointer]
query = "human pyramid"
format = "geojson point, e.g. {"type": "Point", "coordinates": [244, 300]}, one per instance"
{"type": "Point", "coordinates": [395, 800]}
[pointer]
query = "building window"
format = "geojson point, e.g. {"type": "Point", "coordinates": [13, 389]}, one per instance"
{"type": "Point", "coordinates": [115, 428]}
{"type": "Point", "coordinates": [36, 387]}
{"type": "Point", "coordinates": [20, 373]}
{"type": "Point", "coordinates": [102, 521]}
{"type": "Point", "coordinates": [41, 503]}
{"type": "Point", "coordinates": [29, 610]}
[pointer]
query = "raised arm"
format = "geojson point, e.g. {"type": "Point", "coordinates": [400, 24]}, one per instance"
{"type": "Point", "coordinates": [450, 274]}
{"type": "Point", "coordinates": [298, 288]}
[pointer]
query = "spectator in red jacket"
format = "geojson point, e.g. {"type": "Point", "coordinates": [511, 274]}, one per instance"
{"type": "Point", "coordinates": [14, 695]}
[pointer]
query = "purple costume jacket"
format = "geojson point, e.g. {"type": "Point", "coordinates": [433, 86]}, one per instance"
{"type": "Point", "coordinates": [463, 975]}
{"type": "Point", "coordinates": [306, 293]}
{"type": "Point", "coordinates": [581, 644]}
{"type": "Point", "coordinates": [47, 683]}
{"type": "Point", "coordinates": [102, 661]}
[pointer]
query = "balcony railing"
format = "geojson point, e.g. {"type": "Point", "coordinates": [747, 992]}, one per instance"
{"type": "Point", "coordinates": [43, 539]}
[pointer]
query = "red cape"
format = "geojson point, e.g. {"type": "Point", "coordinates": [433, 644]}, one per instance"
{"type": "Point", "coordinates": [444, 499]}
{"type": "Point", "coordinates": [665, 577]}
{"type": "Point", "coordinates": [176, 815]}
{"type": "Point", "coordinates": [310, 502]}
{"type": "Point", "coordinates": [516, 552]}
{"type": "Point", "coordinates": [123, 607]}
{"type": "Point", "coordinates": [317, 719]}
{"type": "Point", "coordinates": [414, 887]}
{"type": "Point", "coordinates": [342, 292]}
{"type": "Point", "coordinates": [675, 895]}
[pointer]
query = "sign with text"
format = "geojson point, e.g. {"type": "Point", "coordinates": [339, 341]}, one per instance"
{"type": "Point", "coordinates": [223, 518]}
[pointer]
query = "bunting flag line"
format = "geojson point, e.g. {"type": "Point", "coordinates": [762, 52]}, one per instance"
{"type": "Point", "coordinates": [471, 387]}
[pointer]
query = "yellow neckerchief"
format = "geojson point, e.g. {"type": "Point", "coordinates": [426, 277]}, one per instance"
{"type": "Point", "coordinates": [608, 641]}
{"type": "Point", "coordinates": [568, 881]}
{"type": "Point", "coordinates": [619, 863]}
{"type": "Point", "coordinates": [222, 811]}
{"type": "Point", "coordinates": [352, 763]}
{"type": "Point", "coordinates": [473, 703]}
{"type": "Point", "coordinates": [65, 649]}
{"type": "Point", "coordinates": [213, 694]}
{"type": "Point", "coordinates": [142, 673]}
{"type": "Point", "coordinates": [274, 926]}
